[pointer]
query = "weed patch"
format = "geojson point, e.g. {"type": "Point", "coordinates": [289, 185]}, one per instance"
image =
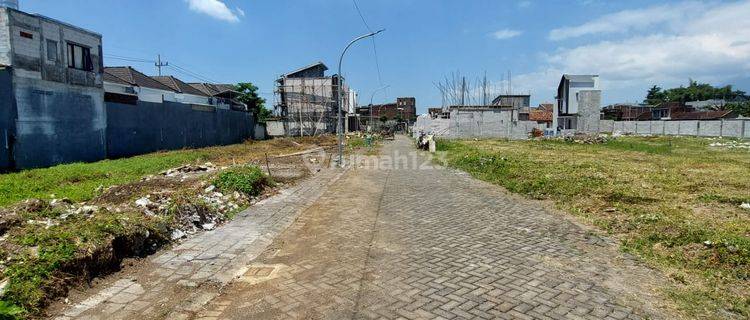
{"type": "Point", "coordinates": [249, 180]}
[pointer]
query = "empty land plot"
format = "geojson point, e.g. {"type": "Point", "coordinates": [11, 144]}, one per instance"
{"type": "Point", "coordinates": [674, 202]}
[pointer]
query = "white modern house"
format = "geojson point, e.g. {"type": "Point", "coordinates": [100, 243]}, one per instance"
{"type": "Point", "coordinates": [571, 92]}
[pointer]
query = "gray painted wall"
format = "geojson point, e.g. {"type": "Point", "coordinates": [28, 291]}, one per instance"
{"type": "Point", "coordinates": [589, 110]}
{"type": "Point", "coordinates": [58, 123]}
{"type": "Point", "coordinates": [149, 127]}
{"type": "Point", "coordinates": [7, 115]}
{"type": "Point", "coordinates": [478, 124]}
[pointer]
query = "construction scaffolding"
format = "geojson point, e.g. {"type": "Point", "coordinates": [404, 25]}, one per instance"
{"type": "Point", "coordinates": [307, 105]}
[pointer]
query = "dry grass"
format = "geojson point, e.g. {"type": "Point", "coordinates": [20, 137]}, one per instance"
{"type": "Point", "coordinates": [675, 202]}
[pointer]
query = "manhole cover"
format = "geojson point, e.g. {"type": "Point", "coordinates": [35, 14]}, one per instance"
{"type": "Point", "coordinates": [259, 273]}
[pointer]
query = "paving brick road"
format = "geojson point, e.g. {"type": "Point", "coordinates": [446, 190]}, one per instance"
{"type": "Point", "coordinates": [414, 243]}
{"type": "Point", "coordinates": [395, 243]}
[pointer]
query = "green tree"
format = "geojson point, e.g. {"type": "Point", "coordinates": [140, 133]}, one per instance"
{"type": "Point", "coordinates": [655, 96]}
{"type": "Point", "coordinates": [694, 92]}
{"type": "Point", "coordinates": [383, 119]}
{"type": "Point", "coordinates": [249, 96]}
{"type": "Point", "coordinates": [741, 108]}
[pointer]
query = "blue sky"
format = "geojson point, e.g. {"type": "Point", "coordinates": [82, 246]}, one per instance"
{"type": "Point", "coordinates": [631, 44]}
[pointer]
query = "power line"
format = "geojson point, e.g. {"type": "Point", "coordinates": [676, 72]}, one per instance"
{"type": "Point", "coordinates": [374, 45]}
{"type": "Point", "coordinates": [130, 59]}
{"type": "Point", "coordinates": [175, 67]}
{"type": "Point", "coordinates": [192, 74]}
{"type": "Point", "coordinates": [361, 16]}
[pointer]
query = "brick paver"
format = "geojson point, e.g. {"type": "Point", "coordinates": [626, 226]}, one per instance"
{"type": "Point", "coordinates": [399, 243]}
{"type": "Point", "coordinates": [414, 243]}
{"type": "Point", "coordinates": [181, 280]}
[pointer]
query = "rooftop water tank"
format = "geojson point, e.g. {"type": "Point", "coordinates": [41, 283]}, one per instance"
{"type": "Point", "coordinates": [9, 3]}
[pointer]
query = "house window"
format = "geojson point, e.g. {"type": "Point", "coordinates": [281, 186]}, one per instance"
{"type": "Point", "coordinates": [79, 57]}
{"type": "Point", "coordinates": [27, 35]}
{"type": "Point", "coordinates": [51, 50]}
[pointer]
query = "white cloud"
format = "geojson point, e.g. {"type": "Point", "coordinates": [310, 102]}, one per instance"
{"type": "Point", "coordinates": [506, 34]}
{"type": "Point", "coordinates": [633, 20]}
{"type": "Point", "coordinates": [240, 11]}
{"type": "Point", "coordinates": [524, 4]}
{"type": "Point", "coordinates": [712, 46]}
{"type": "Point", "coordinates": [214, 8]}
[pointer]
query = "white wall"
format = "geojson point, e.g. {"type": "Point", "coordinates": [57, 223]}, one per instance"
{"type": "Point", "coordinates": [734, 128]}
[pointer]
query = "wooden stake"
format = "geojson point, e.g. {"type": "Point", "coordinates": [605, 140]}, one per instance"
{"type": "Point", "coordinates": [268, 168]}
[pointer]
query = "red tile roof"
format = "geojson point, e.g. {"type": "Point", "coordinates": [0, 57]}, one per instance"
{"type": "Point", "coordinates": [540, 115]}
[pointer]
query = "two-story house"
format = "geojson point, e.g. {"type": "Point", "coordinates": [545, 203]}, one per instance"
{"type": "Point", "coordinates": [53, 98]}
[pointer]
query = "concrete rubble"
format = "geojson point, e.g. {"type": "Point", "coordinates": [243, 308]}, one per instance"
{"type": "Point", "coordinates": [730, 144]}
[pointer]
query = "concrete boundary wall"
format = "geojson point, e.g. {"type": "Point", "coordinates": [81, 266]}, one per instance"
{"type": "Point", "coordinates": [149, 127]}
{"type": "Point", "coordinates": [735, 128]}
{"type": "Point", "coordinates": [477, 124]}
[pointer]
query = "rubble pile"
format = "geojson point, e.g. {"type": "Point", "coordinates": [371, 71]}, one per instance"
{"type": "Point", "coordinates": [189, 169]}
{"type": "Point", "coordinates": [587, 138]}
{"type": "Point", "coordinates": [730, 144]}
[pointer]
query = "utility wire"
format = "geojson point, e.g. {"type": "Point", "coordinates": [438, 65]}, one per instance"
{"type": "Point", "coordinates": [131, 59]}
{"type": "Point", "coordinates": [177, 68]}
{"type": "Point", "coordinates": [361, 16]}
{"type": "Point", "coordinates": [374, 45]}
{"type": "Point", "coordinates": [192, 74]}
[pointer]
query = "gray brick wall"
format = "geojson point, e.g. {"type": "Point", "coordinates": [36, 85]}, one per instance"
{"type": "Point", "coordinates": [589, 110]}
{"type": "Point", "coordinates": [5, 56]}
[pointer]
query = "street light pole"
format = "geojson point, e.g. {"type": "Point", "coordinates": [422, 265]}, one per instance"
{"type": "Point", "coordinates": [373, 96]}
{"type": "Point", "coordinates": [340, 126]}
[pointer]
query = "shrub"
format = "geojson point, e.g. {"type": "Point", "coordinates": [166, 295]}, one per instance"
{"type": "Point", "coordinates": [249, 180]}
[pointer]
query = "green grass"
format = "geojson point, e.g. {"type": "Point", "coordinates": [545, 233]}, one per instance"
{"type": "Point", "coordinates": [46, 258]}
{"type": "Point", "coordinates": [673, 201]}
{"type": "Point", "coordinates": [249, 180]}
{"type": "Point", "coordinates": [79, 181]}
{"type": "Point", "coordinates": [42, 262]}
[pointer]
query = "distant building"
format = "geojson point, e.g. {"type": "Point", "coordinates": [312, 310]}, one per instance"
{"type": "Point", "coordinates": [707, 105]}
{"type": "Point", "coordinates": [513, 100]}
{"type": "Point", "coordinates": [51, 92]}
{"type": "Point", "coordinates": [307, 100]}
{"type": "Point", "coordinates": [542, 114]}
{"type": "Point", "coordinates": [404, 108]}
{"type": "Point", "coordinates": [125, 84]}
{"type": "Point", "coordinates": [578, 102]}
{"type": "Point", "coordinates": [663, 111]}
{"type": "Point", "coordinates": [222, 95]}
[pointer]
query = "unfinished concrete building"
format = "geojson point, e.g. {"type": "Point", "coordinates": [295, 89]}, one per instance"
{"type": "Point", "coordinates": [306, 101]}
{"type": "Point", "coordinates": [52, 92]}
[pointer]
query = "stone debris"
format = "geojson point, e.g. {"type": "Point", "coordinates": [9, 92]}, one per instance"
{"type": "Point", "coordinates": [588, 138]}
{"type": "Point", "coordinates": [731, 144]}
{"type": "Point", "coordinates": [208, 226]}
{"type": "Point", "coordinates": [189, 169]}
{"type": "Point", "coordinates": [143, 202]}
{"type": "Point", "coordinates": [178, 234]}
{"type": "Point", "coordinates": [745, 206]}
